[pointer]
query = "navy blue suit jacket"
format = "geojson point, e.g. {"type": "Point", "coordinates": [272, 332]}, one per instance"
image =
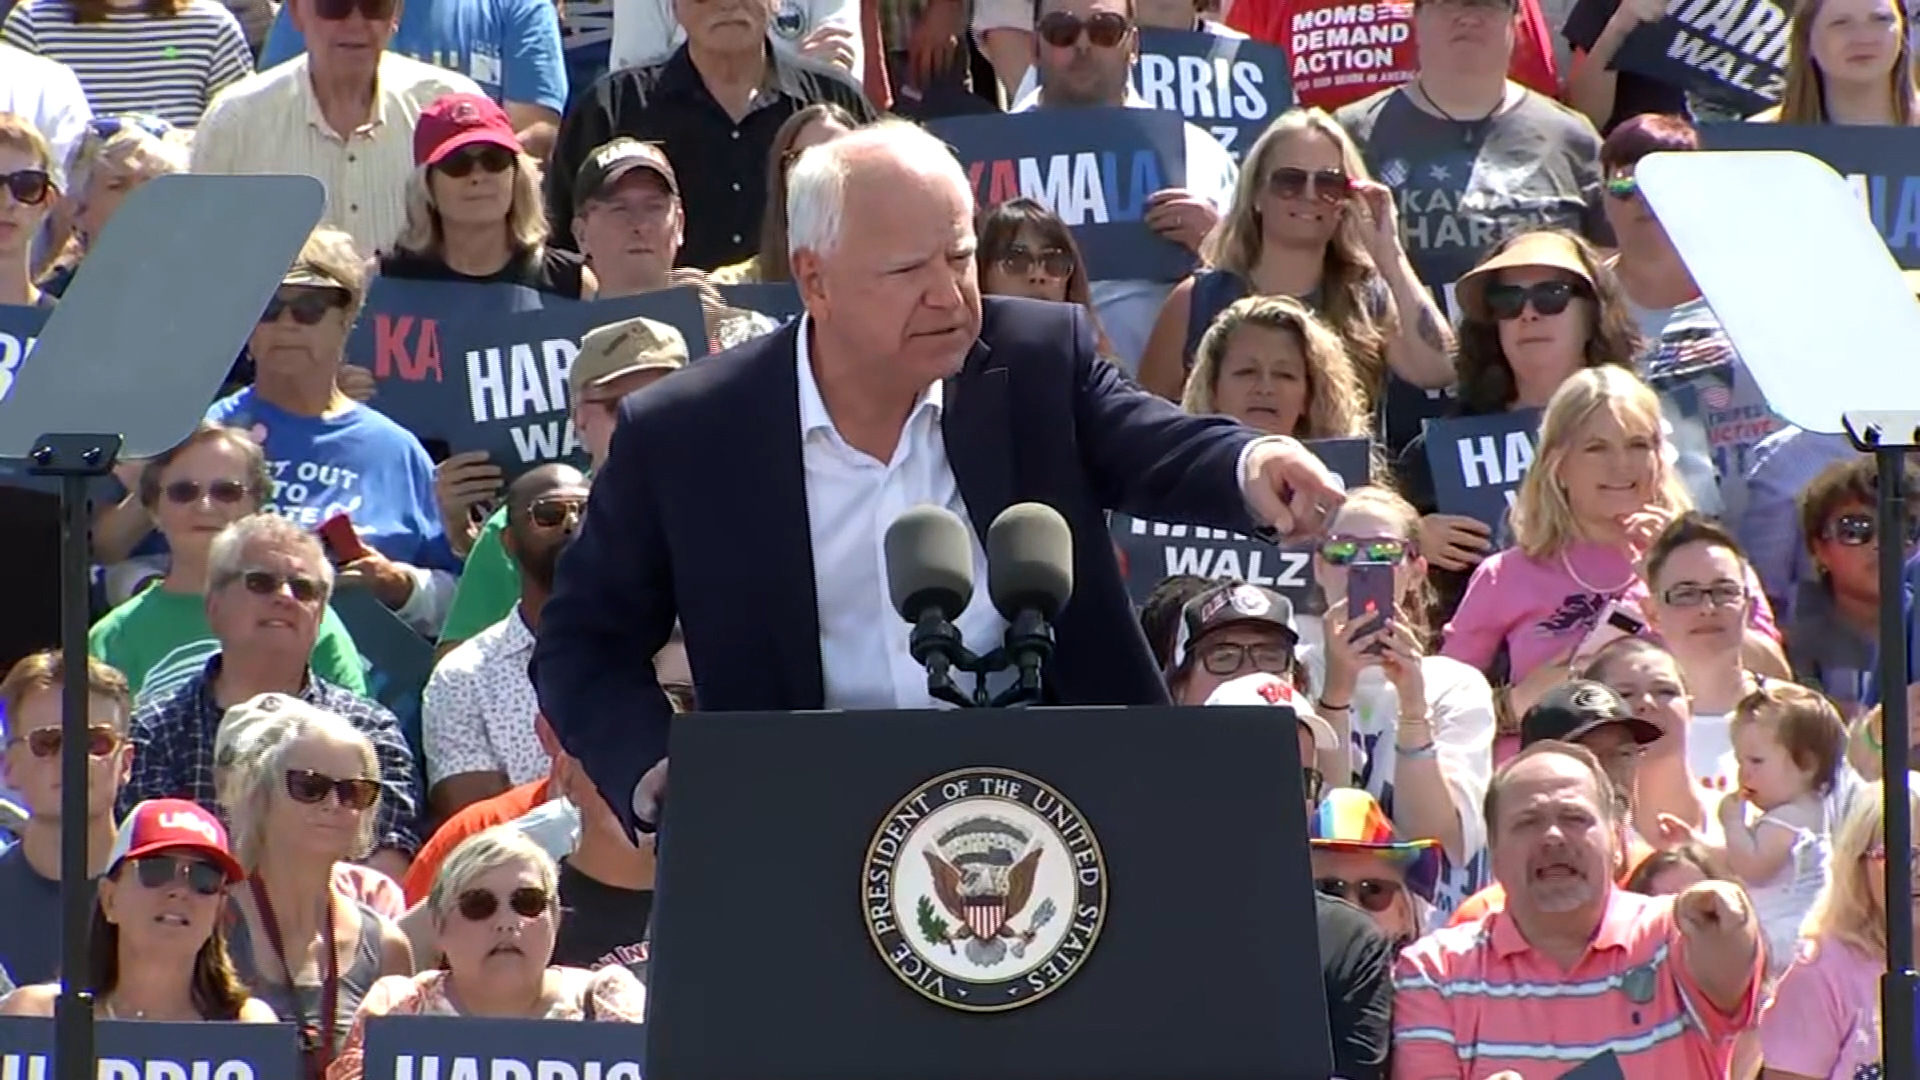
{"type": "Point", "coordinates": [700, 514]}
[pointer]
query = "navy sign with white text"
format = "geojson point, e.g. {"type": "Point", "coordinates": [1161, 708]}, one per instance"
{"type": "Point", "coordinates": [1478, 461]}
{"type": "Point", "coordinates": [1232, 87]}
{"type": "Point", "coordinates": [1153, 550]}
{"type": "Point", "coordinates": [456, 1048]}
{"type": "Point", "coordinates": [777, 300]}
{"type": "Point", "coordinates": [1730, 50]}
{"type": "Point", "coordinates": [19, 332]}
{"type": "Point", "coordinates": [147, 1050]}
{"type": "Point", "coordinates": [1882, 162]}
{"type": "Point", "coordinates": [1096, 170]}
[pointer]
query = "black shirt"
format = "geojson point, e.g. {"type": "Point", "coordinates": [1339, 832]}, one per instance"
{"type": "Point", "coordinates": [1356, 960]}
{"type": "Point", "coordinates": [1633, 93]}
{"type": "Point", "coordinates": [721, 165]}
{"type": "Point", "coordinates": [601, 924]}
{"type": "Point", "coordinates": [545, 269]}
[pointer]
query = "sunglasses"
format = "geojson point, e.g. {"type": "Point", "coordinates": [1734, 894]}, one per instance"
{"type": "Point", "coordinates": [310, 788]}
{"type": "Point", "coordinates": [489, 159]}
{"type": "Point", "coordinates": [553, 513]}
{"type": "Point", "coordinates": [1104, 29]}
{"type": "Point", "coordinates": [1349, 550]}
{"type": "Point", "coordinates": [1374, 894]}
{"type": "Point", "coordinates": [336, 10]}
{"type": "Point", "coordinates": [29, 187]}
{"type": "Point", "coordinates": [527, 901]}
{"type": "Point", "coordinates": [267, 583]}
{"type": "Point", "coordinates": [160, 871]}
{"type": "Point", "coordinates": [1547, 297]}
{"type": "Point", "coordinates": [188, 492]}
{"type": "Point", "coordinates": [47, 742]}
{"type": "Point", "coordinates": [1622, 187]}
{"type": "Point", "coordinates": [1859, 530]}
{"type": "Point", "coordinates": [106, 127]}
{"type": "Point", "coordinates": [1330, 186]}
{"type": "Point", "coordinates": [308, 305]}
{"type": "Point", "coordinates": [1052, 262]}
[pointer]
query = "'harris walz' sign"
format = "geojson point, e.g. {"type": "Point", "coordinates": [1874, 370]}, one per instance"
{"type": "Point", "coordinates": [1153, 550]}
{"type": "Point", "coordinates": [456, 1048]}
{"type": "Point", "coordinates": [1478, 462]}
{"type": "Point", "coordinates": [144, 1050]}
{"type": "Point", "coordinates": [1882, 162]}
{"type": "Point", "coordinates": [1232, 87]}
{"type": "Point", "coordinates": [19, 332]}
{"type": "Point", "coordinates": [1734, 50]}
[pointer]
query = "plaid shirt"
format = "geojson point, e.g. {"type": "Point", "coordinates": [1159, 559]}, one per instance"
{"type": "Point", "coordinates": [173, 733]}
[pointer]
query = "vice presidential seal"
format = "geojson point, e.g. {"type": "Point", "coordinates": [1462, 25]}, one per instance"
{"type": "Point", "coordinates": [984, 890]}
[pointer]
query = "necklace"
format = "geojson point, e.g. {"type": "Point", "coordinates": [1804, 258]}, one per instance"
{"type": "Point", "coordinates": [114, 1014]}
{"type": "Point", "coordinates": [1469, 126]}
{"type": "Point", "coordinates": [1566, 564]}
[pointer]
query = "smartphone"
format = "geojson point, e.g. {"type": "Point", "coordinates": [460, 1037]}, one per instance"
{"type": "Point", "coordinates": [341, 539]}
{"type": "Point", "coordinates": [1370, 598]}
{"type": "Point", "coordinates": [1617, 620]}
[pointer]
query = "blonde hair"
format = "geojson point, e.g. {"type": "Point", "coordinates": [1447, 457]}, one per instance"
{"type": "Point", "coordinates": [1844, 909]}
{"type": "Point", "coordinates": [1542, 519]}
{"type": "Point", "coordinates": [1348, 275]}
{"type": "Point", "coordinates": [131, 153]}
{"type": "Point", "coordinates": [1420, 597]}
{"type": "Point", "coordinates": [250, 763]}
{"type": "Point", "coordinates": [18, 133]}
{"type": "Point", "coordinates": [526, 216]}
{"type": "Point", "coordinates": [1803, 98]}
{"type": "Point", "coordinates": [487, 850]}
{"type": "Point", "coordinates": [1336, 404]}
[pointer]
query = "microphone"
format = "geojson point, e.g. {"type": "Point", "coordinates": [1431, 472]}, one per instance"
{"type": "Point", "coordinates": [929, 555]}
{"type": "Point", "coordinates": [1030, 578]}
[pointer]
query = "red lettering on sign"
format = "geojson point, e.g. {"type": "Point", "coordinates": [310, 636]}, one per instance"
{"type": "Point", "coordinates": [403, 351]}
{"type": "Point", "coordinates": [1006, 183]}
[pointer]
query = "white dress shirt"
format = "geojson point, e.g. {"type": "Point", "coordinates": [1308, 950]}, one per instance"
{"type": "Point", "coordinates": [851, 499]}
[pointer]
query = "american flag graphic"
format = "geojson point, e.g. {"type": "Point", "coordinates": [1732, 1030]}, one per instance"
{"type": "Point", "coordinates": [986, 917]}
{"type": "Point", "coordinates": [1716, 392]}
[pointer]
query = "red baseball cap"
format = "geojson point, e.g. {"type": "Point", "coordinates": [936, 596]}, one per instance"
{"type": "Point", "coordinates": [456, 121]}
{"type": "Point", "coordinates": [159, 825]}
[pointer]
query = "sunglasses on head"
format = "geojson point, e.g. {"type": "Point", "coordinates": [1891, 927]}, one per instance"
{"type": "Point", "coordinates": [29, 187]}
{"type": "Point", "coordinates": [309, 787]}
{"type": "Point", "coordinates": [1053, 262]}
{"type": "Point", "coordinates": [527, 901]}
{"type": "Point", "coordinates": [160, 871]}
{"type": "Point", "coordinates": [1859, 530]}
{"type": "Point", "coordinates": [1104, 29]}
{"type": "Point", "coordinates": [1374, 894]}
{"type": "Point", "coordinates": [267, 583]}
{"type": "Point", "coordinates": [553, 513]}
{"type": "Point", "coordinates": [1344, 551]}
{"type": "Point", "coordinates": [1623, 187]}
{"type": "Point", "coordinates": [106, 127]}
{"type": "Point", "coordinates": [1330, 186]}
{"type": "Point", "coordinates": [336, 10]}
{"type": "Point", "coordinates": [187, 492]}
{"type": "Point", "coordinates": [308, 305]}
{"type": "Point", "coordinates": [47, 742]}
{"type": "Point", "coordinates": [490, 159]}
{"type": "Point", "coordinates": [1547, 297]}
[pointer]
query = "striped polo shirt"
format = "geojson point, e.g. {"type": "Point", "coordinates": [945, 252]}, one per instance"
{"type": "Point", "coordinates": [170, 66]}
{"type": "Point", "coordinates": [1474, 1000]}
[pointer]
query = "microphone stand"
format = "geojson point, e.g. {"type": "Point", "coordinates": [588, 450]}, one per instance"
{"type": "Point", "coordinates": [936, 644]}
{"type": "Point", "coordinates": [1029, 645]}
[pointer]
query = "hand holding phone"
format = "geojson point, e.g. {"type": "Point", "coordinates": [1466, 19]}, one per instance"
{"type": "Point", "coordinates": [1369, 600]}
{"type": "Point", "coordinates": [342, 540]}
{"type": "Point", "coordinates": [1617, 620]}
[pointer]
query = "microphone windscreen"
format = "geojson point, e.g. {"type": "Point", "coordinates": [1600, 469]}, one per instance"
{"type": "Point", "coordinates": [1030, 560]}
{"type": "Point", "coordinates": [929, 563]}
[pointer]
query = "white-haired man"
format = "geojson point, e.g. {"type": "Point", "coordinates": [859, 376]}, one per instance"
{"type": "Point", "coordinates": [898, 388]}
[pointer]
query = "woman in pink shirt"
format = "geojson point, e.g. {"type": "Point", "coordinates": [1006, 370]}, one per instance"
{"type": "Point", "coordinates": [1823, 1022]}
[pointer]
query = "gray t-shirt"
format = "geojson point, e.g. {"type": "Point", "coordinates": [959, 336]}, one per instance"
{"type": "Point", "coordinates": [30, 930]}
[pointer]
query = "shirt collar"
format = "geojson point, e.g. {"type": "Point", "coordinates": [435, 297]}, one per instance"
{"type": "Point", "coordinates": [813, 408]}
{"type": "Point", "coordinates": [515, 635]}
{"type": "Point", "coordinates": [1615, 931]}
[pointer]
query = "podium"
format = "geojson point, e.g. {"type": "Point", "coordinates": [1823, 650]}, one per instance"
{"type": "Point", "coordinates": [1023, 894]}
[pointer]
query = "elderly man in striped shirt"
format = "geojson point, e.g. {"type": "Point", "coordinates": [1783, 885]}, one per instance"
{"type": "Point", "coordinates": [1575, 966]}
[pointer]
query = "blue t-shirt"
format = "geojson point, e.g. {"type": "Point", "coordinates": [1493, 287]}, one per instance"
{"type": "Point", "coordinates": [510, 47]}
{"type": "Point", "coordinates": [358, 463]}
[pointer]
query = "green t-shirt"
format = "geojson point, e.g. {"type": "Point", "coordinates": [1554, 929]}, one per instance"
{"type": "Point", "coordinates": [489, 585]}
{"type": "Point", "coordinates": [160, 639]}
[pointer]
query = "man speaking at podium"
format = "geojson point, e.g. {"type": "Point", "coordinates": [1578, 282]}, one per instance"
{"type": "Point", "coordinates": [748, 495]}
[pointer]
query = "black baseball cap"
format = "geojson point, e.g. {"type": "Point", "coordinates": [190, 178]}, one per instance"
{"type": "Point", "coordinates": [1575, 708]}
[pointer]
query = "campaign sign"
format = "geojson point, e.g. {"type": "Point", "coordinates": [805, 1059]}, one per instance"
{"type": "Point", "coordinates": [149, 1050]}
{"type": "Point", "coordinates": [1882, 162]}
{"type": "Point", "coordinates": [777, 300]}
{"type": "Point", "coordinates": [1096, 170]}
{"type": "Point", "coordinates": [456, 1048]}
{"type": "Point", "coordinates": [1345, 50]}
{"type": "Point", "coordinates": [19, 332]}
{"type": "Point", "coordinates": [1232, 87]}
{"type": "Point", "coordinates": [1154, 550]}
{"type": "Point", "coordinates": [1478, 461]}
{"type": "Point", "coordinates": [1732, 50]}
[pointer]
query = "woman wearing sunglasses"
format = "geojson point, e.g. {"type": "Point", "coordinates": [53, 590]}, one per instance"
{"type": "Point", "coordinates": [495, 914]}
{"type": "Point", "coordinates": [809, 127]}
{"type": "Point", "coordinates": [1026, 250]}
{"type": "Point", "coordinates": [1832, 633]}
{"type": "Point", "coordinates": [1307, 221]}
{"type": "Point", "coordinates": [160, 636]}
{"type": "Point", "coordinates": [27, 196]}
{"type": "Point", "coordinates": [1421, 725]}
{"type": "Point", "coordinates": [1270, 364]}
{"type": "Point", "coordinates": [158, 947]}
{"type": "Point", "coordinates": [299, 789]}
{"type": "Point", "coordinates": [1358, 856]}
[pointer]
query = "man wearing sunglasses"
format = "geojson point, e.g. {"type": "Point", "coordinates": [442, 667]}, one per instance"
{"type": "Point", "coordinates": [30, 870]}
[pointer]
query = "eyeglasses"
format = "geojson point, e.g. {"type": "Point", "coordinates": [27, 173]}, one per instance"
{"type": "Point", "coordinates": [187, 492]}
{"type": "Point", "coordinates": [1314, 781]}
{"type": "Point", "coordinates": [1859, 530]}
{"type": "Point", "coordinates": [267, 583]}
{"type": "Point", "coordinates": [1547, 297]}
{"type": "Point", "coordinates": [1345, 550]}
{"type": "Point", "coordinates": [308, 305]}
{"type": "Point", "coordinates": [1374, 894]}
{"type": "Point", "coordinates": [1719, 594]}
{"type": "Point", "coordinates": [310, 788]}
{"type": "Point", "coordinates": [1330, 186]}
{"type": "Point", "coordinates": [553, 513]}
{"type": "Point", "coordinates": [47, 742]}
{"type": "Point", "coordinates": [1622, 187]}
{"type": "Point", "coordinates": [106, 127]}
{"type": "Point", "coordinates": [336, 10]}
{"type": "Point", "coordinates": [491, 159]}
{"type": "Point", "coordinates": [1104, 29]}
{"type": "Point", "coordinates": [527, 901]}
{"type": "Point", "coordinates": [1230, 657]}
{"type": "Point", "coordinates": [29, 187]}
{"type": "Point", "coordinates": [1053, 262]}
{"type": "Point", "coordinates": [160, 871]}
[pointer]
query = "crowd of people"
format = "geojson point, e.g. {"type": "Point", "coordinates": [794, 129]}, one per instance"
{"type": "Point", "coordinates": [1600, 775]}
